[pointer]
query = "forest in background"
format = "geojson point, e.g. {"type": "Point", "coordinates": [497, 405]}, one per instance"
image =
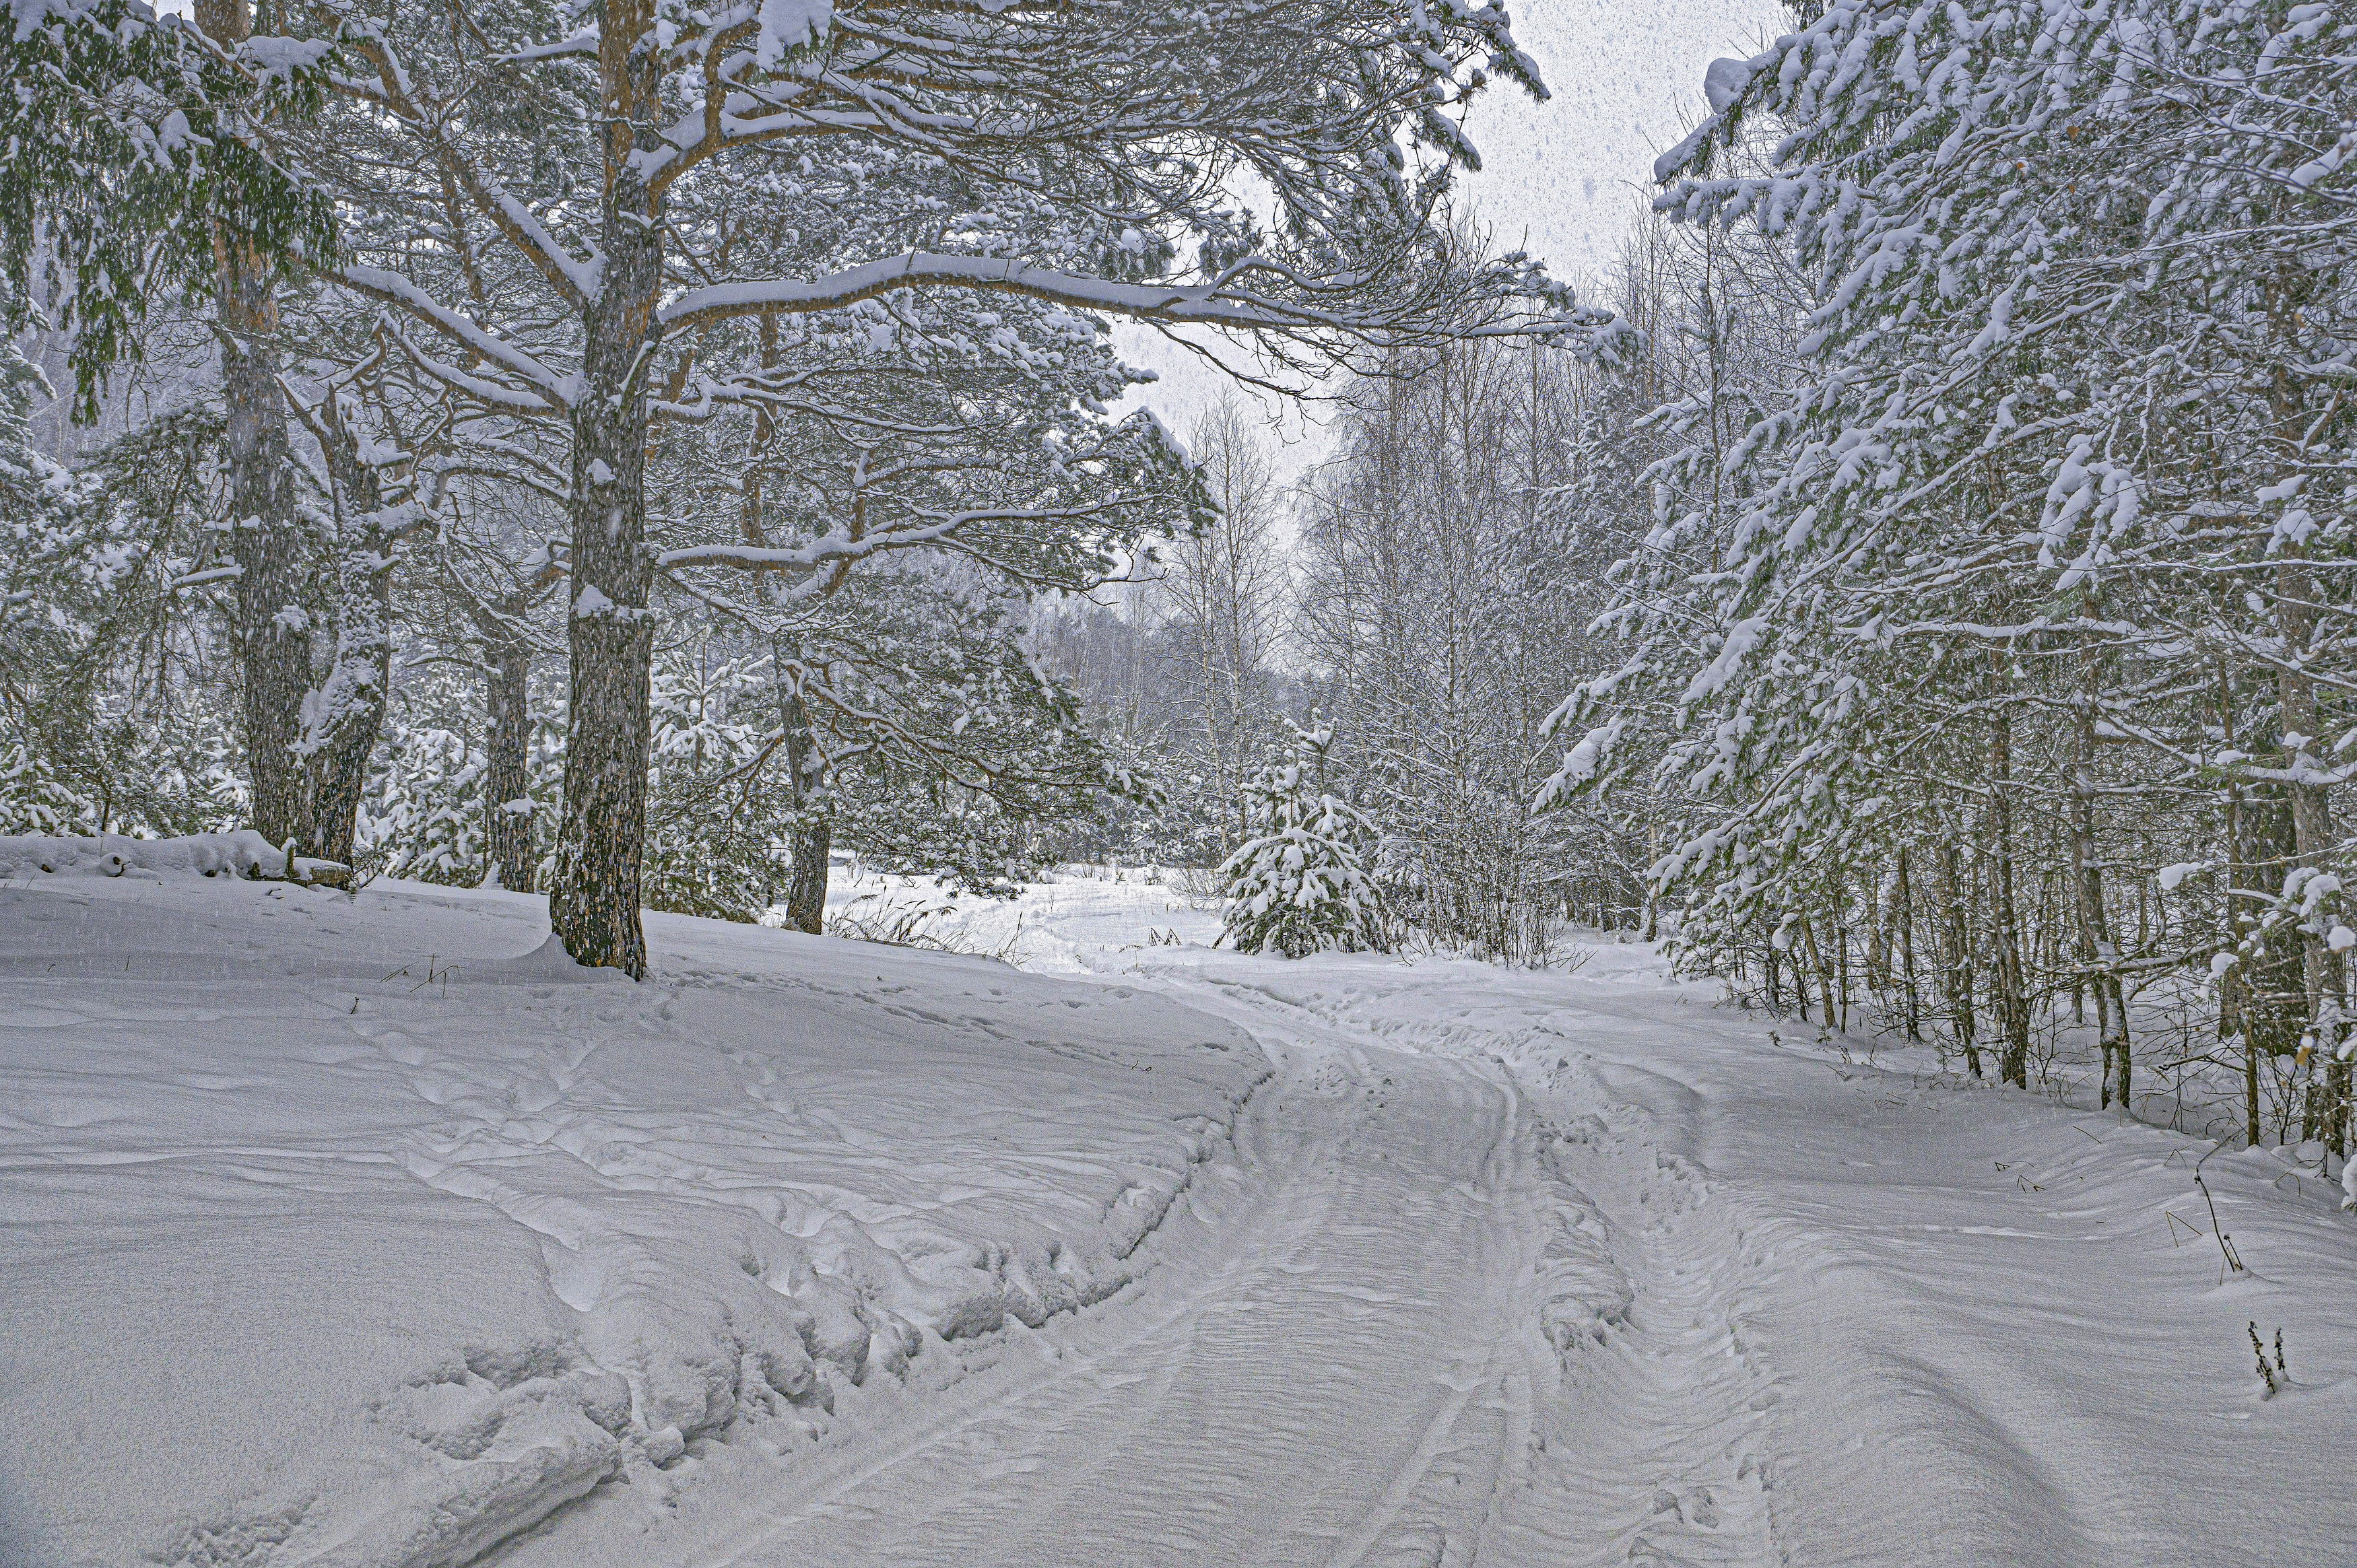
{"type": "Point", "coordinates": [1917, 582]}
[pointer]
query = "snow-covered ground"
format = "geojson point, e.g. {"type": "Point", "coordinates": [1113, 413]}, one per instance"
{"type": "Point", "coordinates": [351, 1231]}
{"type": "Point", "coordinates": [336, 1231]}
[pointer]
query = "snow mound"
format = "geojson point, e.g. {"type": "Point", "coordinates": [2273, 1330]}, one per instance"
{"type": "Point", "coordinates": [547, 961]}
{"type": "Point", "coordinates": [331, 1235]}
{"type": "Point", "coordinates": [243, 854]}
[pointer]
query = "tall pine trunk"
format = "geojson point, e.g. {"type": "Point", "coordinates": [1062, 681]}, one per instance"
{"type": "Point", "coordinates": [270, 633]}
{"type": "Point", "coordinates": [601, 833]}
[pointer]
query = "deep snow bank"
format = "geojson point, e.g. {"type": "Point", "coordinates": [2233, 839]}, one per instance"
{"type": "Point", "coordinates": [366, 1230]}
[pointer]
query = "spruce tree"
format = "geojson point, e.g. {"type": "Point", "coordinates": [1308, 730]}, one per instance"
{"type": "Point", "coordinates": [1300, 884]}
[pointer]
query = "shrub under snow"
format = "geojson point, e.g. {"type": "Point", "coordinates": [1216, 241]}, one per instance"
{"type": "Point", "coordinates": [241, 854]}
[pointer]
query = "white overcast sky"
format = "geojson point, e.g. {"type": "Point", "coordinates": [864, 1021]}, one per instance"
{"type": "Point", "coordinates": [1561, 179]}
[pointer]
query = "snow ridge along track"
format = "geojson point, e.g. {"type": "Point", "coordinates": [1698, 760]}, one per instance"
{"type": "Point", "coordinates": [1336, 1360]}
{"type": "Point", "coordinates": [1568, 1270]}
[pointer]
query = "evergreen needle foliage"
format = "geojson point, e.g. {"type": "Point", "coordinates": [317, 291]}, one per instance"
{"type": "Point", "coordinates": [1300, 884]}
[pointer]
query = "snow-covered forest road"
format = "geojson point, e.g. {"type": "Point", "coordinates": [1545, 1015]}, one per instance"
{"type": "Point", "coordinates": [1478, 1266]}
{"type": "Point", "coordinates": [1332, 1360]}
{"type": "Point", "coordinates": [1473, 1289]}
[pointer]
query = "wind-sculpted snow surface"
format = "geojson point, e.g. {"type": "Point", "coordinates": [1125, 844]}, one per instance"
{"type": "Point", "coordinates": [338, 1233]}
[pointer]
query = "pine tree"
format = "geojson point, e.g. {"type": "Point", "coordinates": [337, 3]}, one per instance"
{"type": "Point", "coordinates": [604, 201]}
{"type": "Point", "coordinates": [1301, 883]}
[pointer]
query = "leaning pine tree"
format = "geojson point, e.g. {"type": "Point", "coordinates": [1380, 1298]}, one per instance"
{"type": "Point", "coordinates": [1300, 884]}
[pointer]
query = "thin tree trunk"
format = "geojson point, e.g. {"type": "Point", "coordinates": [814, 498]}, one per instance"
{"type": "Point", "coordinates": [1956, 966]}
{"type": "Point", "coordinates": [2098, 953]}
{"type": "Point", "coordinates": [1825, 974]}
{"type": "Point", "coordinates": [346, 716]}
{"type": "Point", "coordinates": [601, 835]}
{"type": "Point", "coordinates": [506, 775]}
{"type": "Point", "coordinates": [2234, 1014]}
{"type": "Point", "coordinates": [814, 832]}
{"type": "Point", "coordinates": [2312, 843]}
{"type": "Point", "coordinates": [2013, 1001]}
{"type": "Point", "coordinates": [812, 837]}
{"type": "Point", "coordinates": [1905, 899]}
{"type": "Point", "coordinates": [1841, 970]}
{"type": "Point", "coordinates": [1876, 958]}
{"type": "Point", "coordinates": [1652, 888]}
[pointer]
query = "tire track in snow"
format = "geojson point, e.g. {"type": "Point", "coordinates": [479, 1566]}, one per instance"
{"type": "Point", "coordinates": [1653, 1446]}
{"type": "Point", "coordinates": [1093, 1368]}
{"type": "Point", "coordinates": [1330, 1363]}
{"type": "Point", "coordinates": [1680, 1472]}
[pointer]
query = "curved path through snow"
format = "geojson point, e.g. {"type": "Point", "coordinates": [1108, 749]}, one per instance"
{"type": "Point", "coordinates": [1549, 1269]}
{"type": "Point", "coordinates": [383, 1260]}
{"type": "Point", "coordinates": [1341, 1356]}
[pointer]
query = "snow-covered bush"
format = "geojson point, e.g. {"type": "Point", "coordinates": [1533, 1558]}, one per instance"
{"type": "Point", "coordinates": [1300, 884]}
{"type": "Point", "coordinates": [32, 800]}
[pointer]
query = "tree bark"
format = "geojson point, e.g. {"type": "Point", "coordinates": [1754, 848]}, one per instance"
{"type": "Point", "coordinates": [1824, 975]}
{"type": "Point", "coordinates": [271, 635]}
{"type": "Point", "coordinates": [1957, 979]}
{"type": "Point", "coordinates": [2098, 952]}
{"type": "Point", "coordinates": [1905, 901]}
{"type": "Point", "coordinates": [601, 835]}
{"type": "Point", "coordinates": [814, 834]}
{"type": "Point", "coordinates": [811, 838]}
{"type": "Point", "coordinates": [2326, 1112]}
{"type": "Point", "coordinates": [806, 893]}
{"type": "Point", "coordinates": [508, 836]}
{"type": "Point", "coordinates": [345, 716]}
{"type": "Point", "coordinates": [2013, 1000]}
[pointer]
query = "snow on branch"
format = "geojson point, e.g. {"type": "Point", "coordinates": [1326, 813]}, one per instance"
{"type": "Point", "coordinates": [1218, 303]}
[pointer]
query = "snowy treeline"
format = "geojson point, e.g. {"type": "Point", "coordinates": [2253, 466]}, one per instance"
{"type": "Point", "coordinates": [1949, 569]}
{"type": "Point", "coordinates": [618, 449]}
{"type": "Point", "coordinates": [636, 452]}
{"type": "Point", "coordinates": [1988, 644]}
{"type": "Point", "coordinates": [1180, 665]}
{"type": "Point", "coordinates": [1447, 563]}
